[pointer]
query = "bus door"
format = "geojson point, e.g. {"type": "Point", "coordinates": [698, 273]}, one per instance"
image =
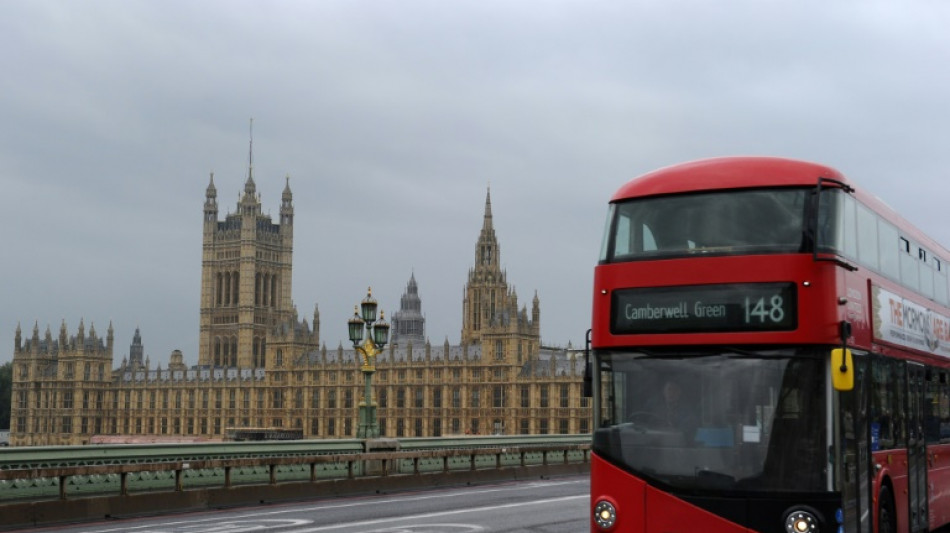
{"type": "Point", "coordinates": [854, 438]}
{"type": "Point", "coordinates": [916, 449]}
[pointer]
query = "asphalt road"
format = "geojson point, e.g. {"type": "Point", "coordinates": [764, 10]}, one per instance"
{"type": "Point", "coordinates": [558, 505]}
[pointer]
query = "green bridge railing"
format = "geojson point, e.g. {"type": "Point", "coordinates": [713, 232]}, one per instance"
{"type": "Point", "coordinates": [115, 472]}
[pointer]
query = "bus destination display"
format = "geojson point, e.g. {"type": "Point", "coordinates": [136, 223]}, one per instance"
{"type": "Point", "coordinates": [705, 308]}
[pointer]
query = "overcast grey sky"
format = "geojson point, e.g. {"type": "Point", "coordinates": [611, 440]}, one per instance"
{"type": "Point", "coordinates": [392, 118]}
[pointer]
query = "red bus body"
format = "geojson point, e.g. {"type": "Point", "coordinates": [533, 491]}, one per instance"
{"type": "Point", "coordinates": [831, 289]}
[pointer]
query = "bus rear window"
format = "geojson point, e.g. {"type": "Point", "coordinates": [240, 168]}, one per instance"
{"type": "Point", "coordinates": [723, 222]}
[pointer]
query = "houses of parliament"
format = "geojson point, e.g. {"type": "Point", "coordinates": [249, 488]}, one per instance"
{"type": "Point", "coordinates": [260, 365]}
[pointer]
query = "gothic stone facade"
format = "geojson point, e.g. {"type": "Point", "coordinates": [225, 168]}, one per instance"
{"type": "Point", "coordinates": [260, 366]}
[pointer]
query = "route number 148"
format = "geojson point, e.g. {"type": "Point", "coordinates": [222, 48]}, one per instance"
{"type": "Point", "coordinates": [758, 310]}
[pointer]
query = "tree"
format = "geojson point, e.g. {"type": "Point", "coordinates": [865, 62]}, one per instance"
{"type": "Point", "coordinates": [6, 392]}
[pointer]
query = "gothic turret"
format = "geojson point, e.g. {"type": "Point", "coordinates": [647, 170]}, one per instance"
{"type": "Point", "coordinates": [211, 205]}
{"type": "Point", "coordinates": [492, 316]}
{"type": "Point", "coordinates": [486, 293]}
{"type": "Point", "coordinates": [81, 336]}
{"type": "Point", "coordinates": [287, 206]}
{"type": "Point", "coordinates": [63, 336]}
{"type": "Point", "coordinates": [536, 315]}
{"type": "Point", "coordinates": [246, 277]}
{"type": "Point", "coordinates": [136, 350]}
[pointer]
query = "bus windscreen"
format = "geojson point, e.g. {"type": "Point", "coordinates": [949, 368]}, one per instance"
{"type": "Point", "coordinates": [717, 419]}
{"type": "Point", "coordinates": [723, 222]}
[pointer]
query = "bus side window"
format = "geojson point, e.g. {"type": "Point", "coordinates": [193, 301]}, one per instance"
{"type": "Point", "coordinates": [910, 273]}
{"type": "Point", "coordinates": [899, 395]}
{"type": "Point", "coordinates": [867, 238]}
{"type": "Point", "coordinates": [887, 404]}
{"type": "Point", "coordinates": [889, 248]}
{"type": "Point", "coordinates": [883, 406]}
{"type": "Point", "coordinates": [942, 407]}
{"type": "Point", "coordinates": [932, 400]}
{"type": "Point", "coordinates": [849, 228]}
{"type": "Point", "coordinates": [926, 275]}
{"type": "Point", "coordinates": [940, 282]}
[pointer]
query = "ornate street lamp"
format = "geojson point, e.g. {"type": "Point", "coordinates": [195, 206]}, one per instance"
{"type": "Point", "coordinates": [377, 335]}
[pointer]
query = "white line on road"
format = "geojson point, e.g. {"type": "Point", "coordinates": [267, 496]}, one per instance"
{"type": "Point", "coordinates": [421, 516]}
{"type": "Point", "coordinates": [362, 502]}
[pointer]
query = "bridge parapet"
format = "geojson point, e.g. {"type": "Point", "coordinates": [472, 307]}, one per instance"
{"type": "Point", "coordinates": [97, 482]}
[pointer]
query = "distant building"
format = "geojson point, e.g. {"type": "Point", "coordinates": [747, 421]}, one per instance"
{"type": "Point", "coordinates": [408, 324]}
{"type": "Point", "coordinates": [260, 366]}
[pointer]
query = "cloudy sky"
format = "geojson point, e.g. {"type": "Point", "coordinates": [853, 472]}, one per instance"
{"type": "Point", "coordinates": [392, 119]}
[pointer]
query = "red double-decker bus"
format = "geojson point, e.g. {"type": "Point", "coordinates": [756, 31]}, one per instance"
{"type": "Point", "coordinates": [770, 349]}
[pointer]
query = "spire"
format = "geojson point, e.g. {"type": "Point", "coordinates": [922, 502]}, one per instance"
{"type": "Point", "coordinates": [316, 320]}
{"type": "Point", "coordinates": [211, 191]}
{"type": "Point", "coordinates": [249, 187]}
{"type": "Point", "coordinates": [287, 205]}
{"type": "Point", "coordinates": [487, 249]}
{"type": "Point", "coordinates": [488, 208]}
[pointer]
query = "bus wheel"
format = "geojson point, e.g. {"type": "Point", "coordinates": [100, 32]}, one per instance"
{"type": "Point", "coordinates": [886, 519]}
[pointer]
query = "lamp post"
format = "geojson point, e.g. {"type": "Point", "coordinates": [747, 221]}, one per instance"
{"type": "Point", "coordinates": [377, 335]}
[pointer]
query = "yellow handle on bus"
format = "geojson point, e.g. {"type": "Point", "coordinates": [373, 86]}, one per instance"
{"type": "Point", "coordinates": [842, 371]}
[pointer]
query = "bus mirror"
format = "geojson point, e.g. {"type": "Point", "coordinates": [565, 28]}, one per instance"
{"type": "Point", "coordinates": [842, 371]}
{"type": "Point", "coordinates": [588, 391]}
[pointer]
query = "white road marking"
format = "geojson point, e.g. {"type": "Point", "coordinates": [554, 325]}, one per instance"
{"type": "Point", "coordinates": [169, 526]}
{"type": "Point", "coordinates": [431, 528]}
{"type": "Point", "coordinates": [422, 516]}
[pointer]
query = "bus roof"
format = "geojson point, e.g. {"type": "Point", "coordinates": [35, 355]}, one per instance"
{"type": "Point", "coordinates": [758, 171]}
{"type": "Point", "coordinates": [726, 173]}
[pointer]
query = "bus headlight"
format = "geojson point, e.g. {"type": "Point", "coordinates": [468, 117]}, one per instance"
{"type": "Point", "coordinates": [605, 515]}
{"type": "Point", "coordinates": [801, 521]}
